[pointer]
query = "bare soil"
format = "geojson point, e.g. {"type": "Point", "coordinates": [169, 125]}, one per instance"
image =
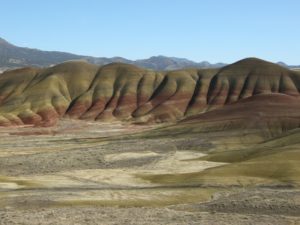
{"type": "Point", "coordinates": [90, 173]}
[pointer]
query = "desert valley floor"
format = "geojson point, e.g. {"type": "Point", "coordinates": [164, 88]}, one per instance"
{"type": "Point", "coordinates": [80, 172]}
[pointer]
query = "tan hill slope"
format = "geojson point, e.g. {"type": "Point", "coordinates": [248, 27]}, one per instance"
{"type": "Point", "coordinates": [128, 93]}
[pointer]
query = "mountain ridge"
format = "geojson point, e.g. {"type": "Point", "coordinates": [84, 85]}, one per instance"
{"type": "Point", "coordinates": [125, 92]}
{"type": "Point", "coordinates": [12, 57]}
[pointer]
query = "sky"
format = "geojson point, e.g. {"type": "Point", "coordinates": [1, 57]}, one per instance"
{"type": "Point", "coordinates": [212, 30]}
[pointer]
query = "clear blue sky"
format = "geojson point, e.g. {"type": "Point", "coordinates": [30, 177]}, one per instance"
{"type": "Point", "coordinates": [213, 30]}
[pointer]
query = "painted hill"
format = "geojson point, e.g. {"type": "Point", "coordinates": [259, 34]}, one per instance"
{"type": "Point", "coordinates": [12, 56]}
{"type": "Point", "coordinates": [124, 92]}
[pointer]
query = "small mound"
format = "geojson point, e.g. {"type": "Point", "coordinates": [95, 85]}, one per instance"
{"type": "Point", "coordinates": [262, 105]}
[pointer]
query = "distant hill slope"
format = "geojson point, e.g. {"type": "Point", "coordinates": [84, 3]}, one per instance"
{"type": "Point", "coordinates": [12, 56]}
{"type": "Point", "coordinates": [125, 92]}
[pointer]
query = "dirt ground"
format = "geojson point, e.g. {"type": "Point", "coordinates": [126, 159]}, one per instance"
{"type": "Point", "coordinates": [88, 173]}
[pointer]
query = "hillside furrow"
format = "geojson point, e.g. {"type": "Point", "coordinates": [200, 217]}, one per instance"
{"type": "Point", "coordinates": [127, 93]}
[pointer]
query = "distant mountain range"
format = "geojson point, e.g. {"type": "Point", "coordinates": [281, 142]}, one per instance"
{"type": "Point", "coordinates": [12, 57]}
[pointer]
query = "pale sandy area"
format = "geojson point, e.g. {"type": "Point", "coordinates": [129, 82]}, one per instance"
{"type": "Point", "coordinates": [174, 162]}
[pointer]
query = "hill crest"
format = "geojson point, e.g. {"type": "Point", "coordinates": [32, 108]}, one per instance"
{"type": "Point", "coordinates": [125, 92]}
